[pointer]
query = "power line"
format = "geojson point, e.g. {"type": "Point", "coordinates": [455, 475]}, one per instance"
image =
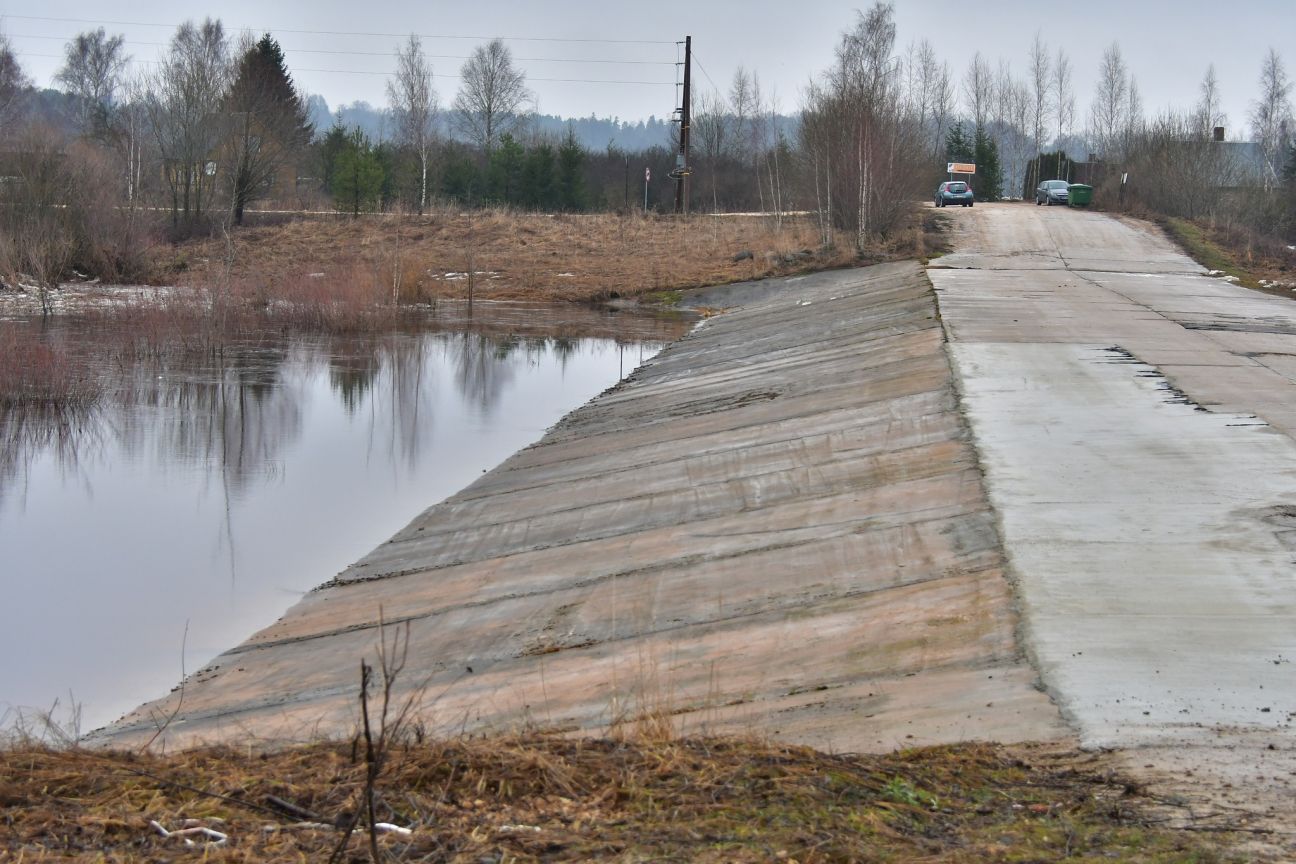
{"type": "Point", "coordinates": [373, 53]}
{"type": "Point", "coordinates": [437, 75]}
{"type": "Point", "coordinates": [704, 72]}
{"type": "Point", "coordinates": [355, 33]}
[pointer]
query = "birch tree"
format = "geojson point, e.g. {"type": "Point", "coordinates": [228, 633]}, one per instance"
{"type": "Point", "coordinates": [929, 93]}
{"type": "Point", "coordinates": [978, 89]}
{"type": "Point", "coordinates": [1209, 112]}
{"type": "Point", "coordinates": [855, 116]}
{"type": "Point", "coordinates": [1041, 96]}
{"type": "Point", "coordinates": [491, 96]}
{"type": "Point", "coordinates": [413, 103]}
{"type": "Point", "coordinates": [92, 72]}
{"type": "Point", "coordinates": [1271, 115]}
{"type": "Point", "coordinates": [1107, 111]}
{"type": "Point", "coordinates": [1063, 95]}
{"type": "Point", "coordinates": [740, 103]}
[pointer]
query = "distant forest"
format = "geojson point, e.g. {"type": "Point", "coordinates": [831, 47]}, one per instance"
{"type": "Point", "coordinates": [593, 133]}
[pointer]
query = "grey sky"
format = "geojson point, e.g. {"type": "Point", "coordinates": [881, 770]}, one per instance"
{"type": "Point", "coordinates": [785, 42]}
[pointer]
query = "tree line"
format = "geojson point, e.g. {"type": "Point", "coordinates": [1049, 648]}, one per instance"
{"type": "Point", "coordinates": [218, 127]}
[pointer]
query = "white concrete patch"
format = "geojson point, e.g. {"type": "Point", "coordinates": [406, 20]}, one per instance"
{"type": "Point", "coordinates": [1148, 539]}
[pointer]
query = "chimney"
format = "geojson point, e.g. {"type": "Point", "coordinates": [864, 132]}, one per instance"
{"type": "Point", "coordinates": [1219, 133]}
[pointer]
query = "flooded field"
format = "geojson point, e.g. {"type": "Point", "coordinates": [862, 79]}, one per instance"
{"type": "Point", "coordinates": [204, 492]}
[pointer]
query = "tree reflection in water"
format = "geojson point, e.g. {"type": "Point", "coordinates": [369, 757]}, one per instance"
{"type": "Point", "coordinates": [209, 485]}
{"type": "Point", "coordinates": [233, 411]}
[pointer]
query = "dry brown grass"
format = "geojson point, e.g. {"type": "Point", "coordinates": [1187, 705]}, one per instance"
{"type": "Point", "coordinates": [551, 798]}
{"type": "Point", "coordinates": [1257, 261]}
{"type": "Point", "coordinates": [526, 255]}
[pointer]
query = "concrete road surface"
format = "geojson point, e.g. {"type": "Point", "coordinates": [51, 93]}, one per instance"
{"type": "Point", "coordinates": [1135, 418]}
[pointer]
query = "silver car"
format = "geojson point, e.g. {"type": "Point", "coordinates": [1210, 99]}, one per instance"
{"type": "Point", "coordinates": [1051, 192]}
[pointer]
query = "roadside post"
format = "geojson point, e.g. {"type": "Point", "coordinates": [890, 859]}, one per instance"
{"type": "Point", "coordinates": [647, 177]}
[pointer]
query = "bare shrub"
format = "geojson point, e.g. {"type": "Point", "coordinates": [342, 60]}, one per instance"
{"type": "Point", "coordinates": [858, 130]}
{"type": "Point", "coordinates": [64, 216]}
{"type": "Point", "coordinates": [42, 216]}
{"type": "Point", "coordinates": [34, 372]}
{"type": "Point", "coordinates": [1175, 170]}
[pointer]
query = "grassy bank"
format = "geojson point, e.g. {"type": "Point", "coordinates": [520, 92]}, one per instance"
{"type": "Point", "coordinates": [556, 799]}
{"type": "Point", "coordinates": [500, 254]}
{"type": "Point", "coordinates": [1264, 264]}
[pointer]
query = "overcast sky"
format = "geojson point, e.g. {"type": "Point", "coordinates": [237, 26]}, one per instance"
{"type": "Point", "coordinates": [345, 57]}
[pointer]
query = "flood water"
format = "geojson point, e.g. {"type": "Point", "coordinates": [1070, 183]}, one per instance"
{"type": "Point", "coordinates": [204, 497]}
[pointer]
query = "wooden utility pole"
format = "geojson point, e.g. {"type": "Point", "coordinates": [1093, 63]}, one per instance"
{"type": "Point", "coordinates": [682, 169]}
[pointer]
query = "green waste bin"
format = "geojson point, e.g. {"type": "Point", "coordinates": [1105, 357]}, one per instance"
{"type": "Point", "coordinates": [1079, 195]}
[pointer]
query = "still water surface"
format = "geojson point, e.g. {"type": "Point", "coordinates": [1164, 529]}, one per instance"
{"type": "Point", "coordinates": [194, 507]}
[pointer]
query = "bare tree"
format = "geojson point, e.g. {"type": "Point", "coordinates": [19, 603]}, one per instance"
{"type": "Point", "coordinates": [184, 107]}
{"type": "Point", "coordinates": [1041, 96]}
{"type": "Point", "coordinates": [1180, 171]}
{"type": "Point", "coordinates": [929, 93]}
{"type": "Point", "coordinates": [58, 213]}
{"type": "Point", "coordinates": [1271, 115]}
{"type": "Point", "coordinates": [1016, 143]}
{"type": "Point", "coordinates": [129, 135]}
{"type": "Point", "coordinates": [92, 72]}
{"type": "Point", "coordinates": [491, 95]}
{"type": "Point", "coordinates": [1107, 112]}
{"type": "Point", "coordinates": [856, 117]}
{"type": "Point", "coordinates": [12, 81]}
{"type": "Point", "coordinates": [1063, 95]}
{"type": "Point", "coordinates": [740, 103]}
{"type": "Point", "coordinates": [1134, 121]}
{"type": "Point", "coordinates": [757, 134]}
{"type": "Point", "coordinates": [413, 103]}
{"type": "Point", "coordinates": [978, 89]}
{"type": "Point", "coordinates": [942, 104]}
{"type": "Point", "coordinates": [711, 131]}
{"type": "Point", "coordinates": [1209, 113]}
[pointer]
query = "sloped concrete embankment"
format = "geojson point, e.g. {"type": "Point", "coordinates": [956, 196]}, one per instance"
{"type": "Point", "coordinates": [778, 525]}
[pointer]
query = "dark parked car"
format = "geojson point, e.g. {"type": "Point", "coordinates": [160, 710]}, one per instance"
{"type": "Point", "coordinates": [953, 192]}
{"type": "Point", "coordinates": [1051, 192]}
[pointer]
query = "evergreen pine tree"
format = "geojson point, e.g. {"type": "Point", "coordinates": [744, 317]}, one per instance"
{"type": "Point", "coordinates": [539, 185]}
{"type": "Point", "coordinates": [958, 147]}
{"type": "Point", "coordinates": [571, 179]}
{"type": "Point", "coordinates": [987, 183]}
{"type": "Point", "coordinates": [268, 122]}
{"type": "Point", "coordinates": [506, 170]}
{"type": "Point", "coordinates": [357, 175]}
{"type": "Point", "coordinates": [335, 141]}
